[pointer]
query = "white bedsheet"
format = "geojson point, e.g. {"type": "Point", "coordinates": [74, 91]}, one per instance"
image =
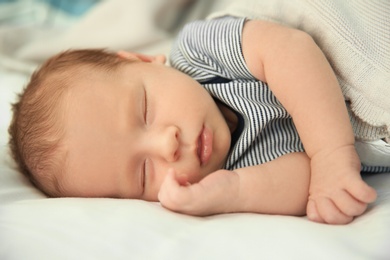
{"type": "Point", "coordinates": [35, 227]}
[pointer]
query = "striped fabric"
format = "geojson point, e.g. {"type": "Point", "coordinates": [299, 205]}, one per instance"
{"type": "Point", "coordinates": [210, 52]}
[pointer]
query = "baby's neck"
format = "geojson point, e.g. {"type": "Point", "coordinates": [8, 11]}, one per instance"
{"type": "Point", "coordinates": [229, 115]}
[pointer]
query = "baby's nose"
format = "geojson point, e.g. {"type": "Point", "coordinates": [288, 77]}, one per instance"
{"type": "Point", "coordinates": [167, 143]}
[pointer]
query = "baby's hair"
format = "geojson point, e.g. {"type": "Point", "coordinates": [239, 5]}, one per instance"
{"type": "Point", "coordinates": [36, 130]}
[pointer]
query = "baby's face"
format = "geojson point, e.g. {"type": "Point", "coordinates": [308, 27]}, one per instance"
{"type": "Point", "coordinates": [124, 132]}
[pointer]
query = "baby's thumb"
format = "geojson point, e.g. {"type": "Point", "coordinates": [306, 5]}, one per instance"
{"type": "Point", "coordinates": [166, 186]}
{"type": "Point", "coordinates": [182, 179]}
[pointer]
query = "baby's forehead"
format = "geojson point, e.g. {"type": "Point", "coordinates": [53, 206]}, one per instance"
{"type": "Point", "coordinates": [90, 77]}
{"type": "Point", "coordinates": [95, 86]}
{"type": "Point", "coordinates": [100, 81]}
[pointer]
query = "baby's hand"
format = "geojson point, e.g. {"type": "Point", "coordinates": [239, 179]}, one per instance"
{"type": "Point", "coordinates": [212, 195]}
{"type": "Point", "coordinates": [337, 192]}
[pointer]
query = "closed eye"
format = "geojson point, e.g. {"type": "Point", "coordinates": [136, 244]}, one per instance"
{"type": "Point", "coordinates": [144, 175]}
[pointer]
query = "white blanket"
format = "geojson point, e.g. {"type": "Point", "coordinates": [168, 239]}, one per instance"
{"type": "Point", "coordinates": [355, 37]}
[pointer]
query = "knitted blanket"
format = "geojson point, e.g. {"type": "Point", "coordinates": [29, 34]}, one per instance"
{"type": "Point", "coordinates": [355, 37]}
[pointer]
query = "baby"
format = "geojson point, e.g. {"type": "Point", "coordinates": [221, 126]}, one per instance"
{"type": "Point", "coordinates": [217, 133]}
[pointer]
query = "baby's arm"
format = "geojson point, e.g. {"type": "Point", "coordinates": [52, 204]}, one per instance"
{"type": "Point", "coordinates": [301, 78]}
{"type": "Point", "coordinates": [277, 187]}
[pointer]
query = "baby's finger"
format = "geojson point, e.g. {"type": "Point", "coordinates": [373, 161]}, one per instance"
{"type": "Point", "coordinates": [170, 180]}
{"type": "Point", "coordinates": [169, 183]}
{"type": "Point", "coordinates": [362, 191]}
{"type": "Point", "coordinates": [330, 213]}
{"type": "Point", "coordinates": [312, 212]}
{"type": "Point", "coordinates": [349, 205]}
{"type": "Point", "coordinates": [174, 196]}
{"type": "Point", "coordinates": [182, 180]}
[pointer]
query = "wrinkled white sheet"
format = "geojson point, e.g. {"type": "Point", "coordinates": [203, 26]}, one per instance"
{"type": "Point", "coordinates": [35, 227]}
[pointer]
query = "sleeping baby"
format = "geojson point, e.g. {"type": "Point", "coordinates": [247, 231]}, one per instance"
{"type": "Point", "coordinates": [249, 118]}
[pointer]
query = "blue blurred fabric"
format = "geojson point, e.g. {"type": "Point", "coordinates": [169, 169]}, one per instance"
{"type": "Point", "coordinates": [72, 7]}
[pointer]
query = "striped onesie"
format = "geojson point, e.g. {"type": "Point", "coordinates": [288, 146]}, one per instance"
{"type": "Point", "coordinates": [210, 52]}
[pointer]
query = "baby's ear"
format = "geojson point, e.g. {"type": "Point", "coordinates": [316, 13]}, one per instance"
{"type": "Point", "coordinates": [160, 59]}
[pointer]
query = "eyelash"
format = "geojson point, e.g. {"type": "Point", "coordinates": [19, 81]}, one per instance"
{"type": "Point", "coordinates": [144, 167]}
{"type": "Point", "coordinates": [144, 174]}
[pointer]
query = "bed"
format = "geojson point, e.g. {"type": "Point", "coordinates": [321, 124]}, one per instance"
{"type": "Point", "coordinates": [33, 226]}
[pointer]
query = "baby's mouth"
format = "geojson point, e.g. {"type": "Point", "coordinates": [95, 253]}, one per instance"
{"type": "Point", "coordinates": [205, 145]}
